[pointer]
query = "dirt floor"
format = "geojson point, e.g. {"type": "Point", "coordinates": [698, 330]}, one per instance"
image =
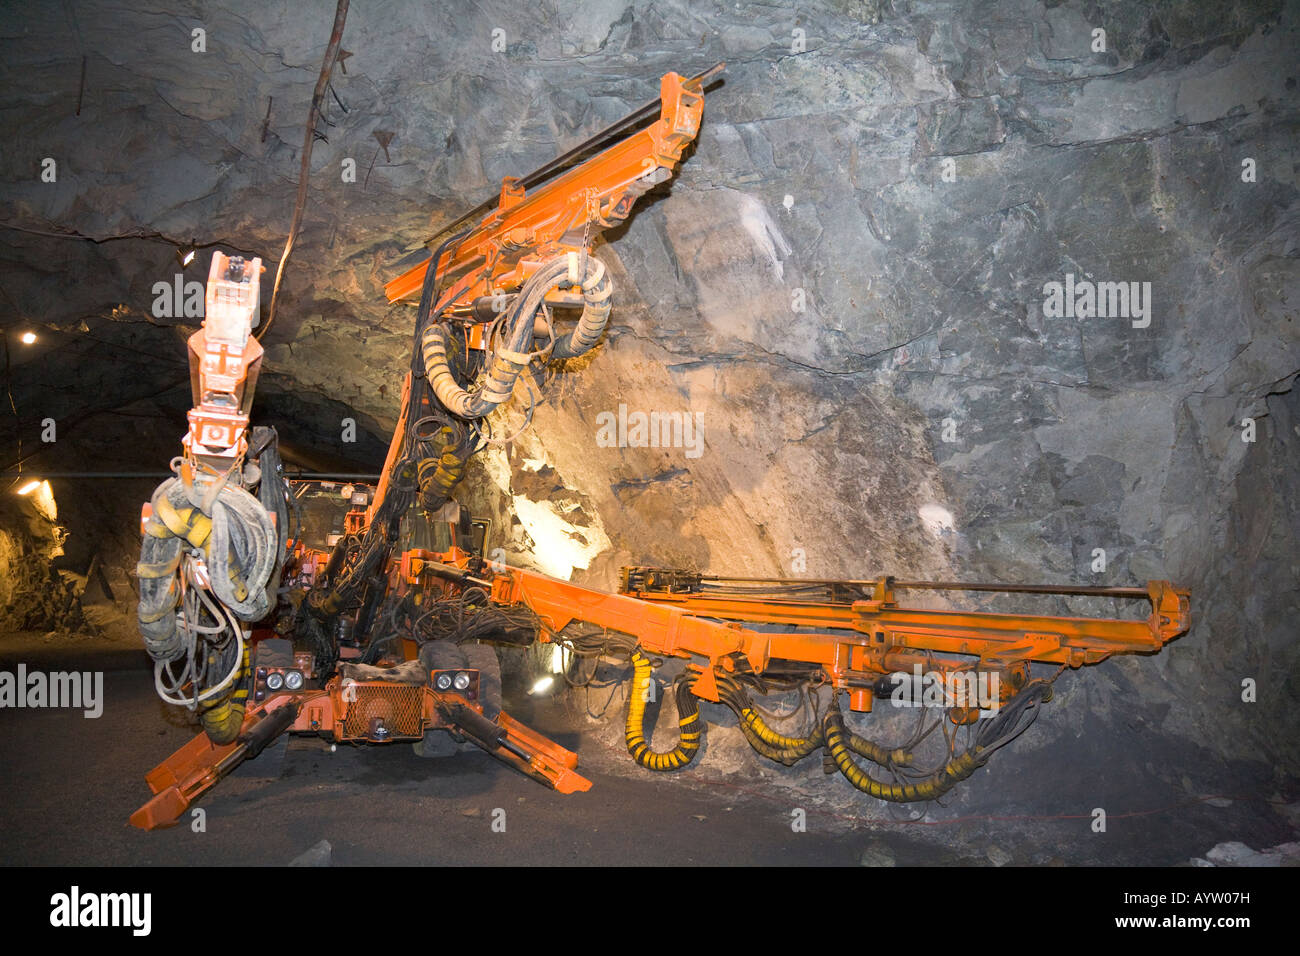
{"type": "Point", "coordinates": [70, 783]}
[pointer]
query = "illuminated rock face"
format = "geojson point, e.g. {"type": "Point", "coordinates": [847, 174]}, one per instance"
{"type": "Point", "coordinates": [857, 287]}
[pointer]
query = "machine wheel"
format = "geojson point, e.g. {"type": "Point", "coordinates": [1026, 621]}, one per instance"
{"type": "Point", "coordinates": [268, 765]}
{"type": "Point", "coordinates": [483, 658]}
{"type": "Point", "coordinates": [442, 655]}
{"type": "Point", "coordinates": [438, 656]}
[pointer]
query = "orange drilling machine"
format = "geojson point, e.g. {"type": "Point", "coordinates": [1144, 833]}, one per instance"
{"type": "Point", "coordinates": [387, 632]}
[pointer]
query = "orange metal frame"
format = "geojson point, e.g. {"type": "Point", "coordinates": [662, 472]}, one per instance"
{"type": "Point", "coordinates": [199, 765]}
{"type": "Point", "coordinates": [511, 242]}
{"type": "Point", "coordinates": [850, 639]}
{"type": "Point", "coordinates": [853, 642]}
{"type": "Point", "coordinates": [225, 360]}
{"type": "Point", "coordinates": [863, 640]}
{"type": "Point", "coordinates": [562, 216]}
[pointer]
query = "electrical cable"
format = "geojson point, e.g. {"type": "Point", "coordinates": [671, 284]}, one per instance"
{"type": "Point", "coordinates": [309, 140]}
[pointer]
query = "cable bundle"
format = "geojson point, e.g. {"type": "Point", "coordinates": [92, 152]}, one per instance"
{"type": "Point", "coordinates": [196, 640]}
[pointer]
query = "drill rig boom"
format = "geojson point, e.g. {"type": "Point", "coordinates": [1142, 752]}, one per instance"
{"type": "Point", "coordinates": [485, 317]}
{"type": "Point", "coordinates": [507, 246]}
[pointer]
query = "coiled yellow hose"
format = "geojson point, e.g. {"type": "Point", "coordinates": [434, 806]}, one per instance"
{"type": "Point", "coordinates": [223, 718]}
{"type": "Point", "coordinates": [437, 476]}
{"type": "Point", "coordinates": [688, 711]}
{"type": "Point", "coordinates": [926, 788]}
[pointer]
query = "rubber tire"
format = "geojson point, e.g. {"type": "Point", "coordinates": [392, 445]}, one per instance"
{"type": "Point", "coordinates": [268, 765]}
{"type": "Point", "coordinates": [442, 655]}
{"type": "Point", "coordinates": [483, 658]}
{"type": "Point", "coordinates": [439, 656]}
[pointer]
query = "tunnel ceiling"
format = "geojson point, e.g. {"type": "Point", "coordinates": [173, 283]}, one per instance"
{"type": "Point", "coordinates": [846, 282]}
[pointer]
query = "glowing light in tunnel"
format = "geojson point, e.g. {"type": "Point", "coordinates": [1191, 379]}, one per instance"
{"type": "Point", "coordinates": [43, 500]}
{"type": "Point", "coordinates": [28, 338]}
{"type": "Point", "coordinates": [559, 659]}
{"type": "Point", "coordinates": [556, 549]}
{"type": "Point", "coordinates": [542, 686]}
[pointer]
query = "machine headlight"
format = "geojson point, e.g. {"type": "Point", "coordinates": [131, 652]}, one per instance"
{"type": "Point", "coordinates": [293, 680]}
{"type": "Point", "coordinates": [442, 681]}
{"type": "Point", "coordinates": [274, 680]}
{"type": "Point", "coordinates": [462, 680]}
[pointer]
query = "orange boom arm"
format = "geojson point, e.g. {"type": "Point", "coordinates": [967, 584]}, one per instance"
{"type": "Point", "coordinates": [562, 216]}
{"type": "Point", "coordinates": [857, 632]}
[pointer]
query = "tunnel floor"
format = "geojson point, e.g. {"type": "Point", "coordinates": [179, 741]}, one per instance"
{"type": "Point", "coordinates": [71, 783]}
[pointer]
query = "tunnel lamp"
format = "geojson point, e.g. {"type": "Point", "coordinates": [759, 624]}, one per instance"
{"type": "Point", "coordinates": [185, 254]}
{"type": "Point", "coordinates": [542, 686]}
{"type": "Point", "coordinates": [31, 486]}
{"type": "Point", "coordinates": [27, 338]}
{"type": "Point", "coordinates": [559, 659]}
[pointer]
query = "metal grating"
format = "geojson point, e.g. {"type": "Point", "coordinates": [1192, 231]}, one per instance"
{"type": "Point", "coordinates": [397, 705]}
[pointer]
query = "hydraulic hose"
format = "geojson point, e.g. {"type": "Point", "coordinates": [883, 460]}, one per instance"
{"type": "Point", "coordinates": [925, 788]}
{"type": "Point", "coordinates": [765, 741]}
{"type": "Point", "coordinates": [597, 290]}
{"type": "Point", "coordinates": [788, 750]}
{"type": "Point", "coordinates": [498, 383]}
{"type": "Point", "coordinates": [688, 712]}
{"type": "Point", "coordinates": [513, 354]}
{"type": "Point", "coordinates": [898, 757]}
{"type": "Point", "coordinates": [240, 547]}
{"type": "Point", "coordinates": [241, 550]}
{"type": "Point", "coordinates": [272, 494]}
{"type": "Point", "coordinates": [773, 745]}
{"type": "Point", "coordinates": [224, 718]}
{"type": "Point", "coordinates": [160, 559]}
{"type": "Point", "coordinates": [437, 475]}
{"type": "Point", "coordinates": [1013, 718]}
